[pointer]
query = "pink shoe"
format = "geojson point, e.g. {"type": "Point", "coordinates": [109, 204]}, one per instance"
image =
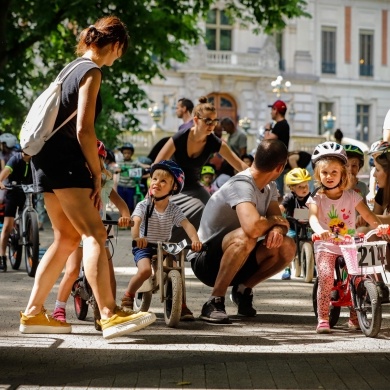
{"type": "Point", "coordinates": [323, 327]}
{"type": "Point", "coordinates": [59, 314]}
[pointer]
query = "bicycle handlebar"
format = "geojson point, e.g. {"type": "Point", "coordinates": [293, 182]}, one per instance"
{"type": "Point", "coordinates": [109, 222]}
{"type": "Point", "coordinates": [155, 244]}
{"type": "Point", "coordinates": [361, 236]}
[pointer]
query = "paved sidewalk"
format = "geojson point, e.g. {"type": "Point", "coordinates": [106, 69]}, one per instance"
{"type": "Point", "coordinates": [278, 349]}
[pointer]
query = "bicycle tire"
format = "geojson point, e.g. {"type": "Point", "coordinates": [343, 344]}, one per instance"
{"type": "Point", "coordinates": [307, 261]}
{"type": "Point", "coordinates": [173, 289]}
{"type": "Point", "coordinates": [369, 311]}
{"type": "Point", "coordinates": [96, 313]}
{"type": "Point", "coordinates": [297, 262]}
{"type": "Point", "coordinates": [80, 304]}
{"type": "Point", "coordinates": [334, 311]}
{"type": "Point", "coordinates": [14, 249]}
{"type": "Point", "coordinates": [142, 301]}
{"type": "Point", "coordinates": [31, 249]}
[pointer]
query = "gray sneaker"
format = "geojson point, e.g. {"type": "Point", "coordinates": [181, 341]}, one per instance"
{"type": "Point", "coordinates": [214, 311]}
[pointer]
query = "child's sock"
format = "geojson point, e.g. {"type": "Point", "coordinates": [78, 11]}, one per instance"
{"type": "Point", "coordinates": [59, 304]}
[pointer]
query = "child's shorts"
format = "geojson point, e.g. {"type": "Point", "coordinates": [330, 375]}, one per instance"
{"type": "Point", "coordinates": [147, 253]}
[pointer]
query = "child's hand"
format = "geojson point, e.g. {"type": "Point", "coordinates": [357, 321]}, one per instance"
{"type": "Point", "coordinates": [383, 229]}
{"type": "Point", "coordinates": [325, 235]}
{"type": "Point", "coordinates": [141, 242]}
{"type": "Point", "coordinates": [196, 246]}
{"type": "Point", "coordinates": [124, 222]}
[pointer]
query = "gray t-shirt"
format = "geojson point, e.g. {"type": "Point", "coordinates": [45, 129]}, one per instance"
{"type": "Point", "coordinates": [220, 217]}
{"type": "Point", "coordinates": [237, 141]}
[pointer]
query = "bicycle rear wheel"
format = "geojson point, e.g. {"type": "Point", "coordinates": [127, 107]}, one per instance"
{"type": "Point", "coordinates": [80, 304]}
{"type": "Point", "coordinates": [334, 311]}
{"type": "Point", "coordinates": [31, 249]}
{"type": "Point", "coordinates": [307, 261]}
{"type": "Point", "coordinates": [14, 249]}
{"type": "Point", "coordinates": [173, 298]}
{"type": "Point", "coordinates": [369, 311]}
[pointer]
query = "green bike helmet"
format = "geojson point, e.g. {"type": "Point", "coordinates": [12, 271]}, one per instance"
{"type": "Point", "coordinates": [355, 151]}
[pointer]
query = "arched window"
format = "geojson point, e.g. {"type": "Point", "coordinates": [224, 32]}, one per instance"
{"type": "Point", "coordinates": [225, 105]}
{"type": "Point", "coordinates": [218, 31]}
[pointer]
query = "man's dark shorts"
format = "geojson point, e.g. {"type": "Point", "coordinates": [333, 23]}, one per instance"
{"type": "Point", "coordinates": [206, 264]}
{"type": "Point", "coordinates": [14, 199]}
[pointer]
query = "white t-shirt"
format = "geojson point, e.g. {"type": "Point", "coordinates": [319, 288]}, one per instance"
{"type": "Point", "coordinates": [332, 214]}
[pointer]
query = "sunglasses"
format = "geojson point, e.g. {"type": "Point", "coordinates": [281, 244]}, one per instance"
{"type": "Point", "coordinates": [209, 121]}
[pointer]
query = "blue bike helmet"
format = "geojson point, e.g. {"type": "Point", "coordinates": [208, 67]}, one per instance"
{"type": "Point", "coordinates": [174, 170]}
{"type": "Point", "coordinates": [127, 145]}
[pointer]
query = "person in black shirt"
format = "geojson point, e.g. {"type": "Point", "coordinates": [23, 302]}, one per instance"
{"type": "Point", "coordinates": [18, 171]}
{"type": "Point", "coordinates": [281, 131]}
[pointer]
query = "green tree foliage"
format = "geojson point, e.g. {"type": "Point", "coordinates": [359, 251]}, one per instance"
{"type": "Point", "coordinates": [38, 37]}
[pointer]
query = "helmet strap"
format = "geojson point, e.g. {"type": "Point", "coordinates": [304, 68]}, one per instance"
{"type": "Point", "coordinates": [329, 188]}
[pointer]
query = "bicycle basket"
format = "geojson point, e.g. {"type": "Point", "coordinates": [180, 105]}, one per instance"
{"type": "Point", "coordinates": [364, 258]}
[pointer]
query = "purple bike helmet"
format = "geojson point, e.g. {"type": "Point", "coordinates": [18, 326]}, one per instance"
{"type": "Point", "coordinates": [173, 169]}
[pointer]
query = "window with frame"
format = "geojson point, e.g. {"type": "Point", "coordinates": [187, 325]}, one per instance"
{"type": "Point", "coordinates": [362, 122]}
{"type": "Point", "coordinates": [328, 50]}
{"type": "Point", "coordinates": [366, 53]}
{"type": "Point", "coordinates": [218, 31]}
{"type": "Point", "coordinates": [323, 109]}
{"type": "Point", "coordinates": [279, 49]}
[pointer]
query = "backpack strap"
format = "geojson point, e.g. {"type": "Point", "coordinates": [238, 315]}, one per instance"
{"type": "Point", "coordinates": [60, 80]}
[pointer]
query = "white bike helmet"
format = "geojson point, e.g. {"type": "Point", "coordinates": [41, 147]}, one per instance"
{"type": "Point", "coordinates": [379, 147]}
{"type": "Point", "coordinates": [9, 139]}
{"type": "Point", "coordinates": [329, 149]}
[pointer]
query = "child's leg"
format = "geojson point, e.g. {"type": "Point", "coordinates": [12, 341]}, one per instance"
{"type": "Point", "coordinates": [143, 273]}
{"type": "Point", "coordinates": [325, 270]}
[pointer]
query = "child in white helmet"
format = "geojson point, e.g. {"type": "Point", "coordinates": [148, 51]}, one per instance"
{"type": "Point", "coordinates": [332, 209]}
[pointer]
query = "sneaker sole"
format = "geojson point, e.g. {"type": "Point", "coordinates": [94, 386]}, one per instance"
{"type": "Point", "coordinates": [129, 326]}
{"type": "Point", "coordinates": [44, 329]}
{"type": "Point", "coordinates": [215, 320]}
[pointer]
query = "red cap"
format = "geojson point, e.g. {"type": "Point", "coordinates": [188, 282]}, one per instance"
{"type": "Point", "coordinates": [279, 106]}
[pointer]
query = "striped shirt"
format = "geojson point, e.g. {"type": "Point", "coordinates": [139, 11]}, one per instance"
{"type": "Point", "coordinates": [160, 224]}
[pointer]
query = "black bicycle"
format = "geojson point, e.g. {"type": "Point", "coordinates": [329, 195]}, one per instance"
{"type": "Point", "coordinates": [24, 237]}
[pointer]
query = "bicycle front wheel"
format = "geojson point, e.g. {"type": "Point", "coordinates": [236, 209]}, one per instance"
{"type": "Point", "coordinates": [369, 308]}
{"type": "Point", "coordinates": [307, 261]}
{"type": "Point", "coordinates": [14, 249]}
{"type": "Point", "coordinates": [31, 249]}
{"type": "Point", "coordinates": [173, 298]}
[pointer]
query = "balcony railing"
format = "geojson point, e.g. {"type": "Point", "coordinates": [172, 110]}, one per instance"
{"type": "Point", "coordinates": [252, 61]}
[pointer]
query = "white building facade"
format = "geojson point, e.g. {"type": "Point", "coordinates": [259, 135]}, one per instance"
{"type": "Point", "coordinates": [337, 62]}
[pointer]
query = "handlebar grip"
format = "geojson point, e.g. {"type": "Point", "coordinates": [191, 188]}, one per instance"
{"type": "Point", "coordinates": [109, 222]}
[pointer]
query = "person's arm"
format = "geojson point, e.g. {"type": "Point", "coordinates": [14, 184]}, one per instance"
{"type": "Point", "coordinates": [192, 234]}
{"type": "Point", "coordinates": [3, 175]}
{"type": "Point", "coordinates": [374, 220]}
{"type": "Point", "coordinates": [254, 225]}
{"type": "Point", "coordinates": [232, 158]}
{"type": "Point", "coordinates": [293, 160]}
{"type": "Point", "coordinates": [315, 224]}
{"type": "Point", "coordinates": [86, 135]}
{"type": "Point", "coordinates": [124, 212]}
{"type": "Point", "coordinates": [270, 135]}
{"type": "Point", "coordinates": [166, 152]}
{"type": "Point", "coordinates": [141, 242]}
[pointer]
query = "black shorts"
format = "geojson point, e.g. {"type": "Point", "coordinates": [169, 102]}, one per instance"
{"type": "Point", "coordinates": [49, 175]}
{"type": "Point", "coordinates": [13, 200]}
{"type": "Point", "coordinates": [206, 264]}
